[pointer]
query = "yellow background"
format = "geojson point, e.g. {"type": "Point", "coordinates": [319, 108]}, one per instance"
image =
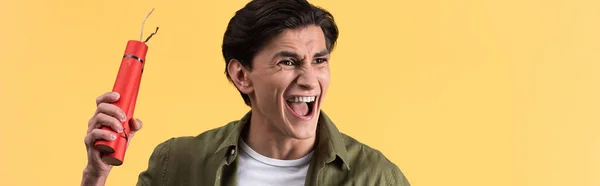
{"type": "Point", "coordinates": [458, 92]}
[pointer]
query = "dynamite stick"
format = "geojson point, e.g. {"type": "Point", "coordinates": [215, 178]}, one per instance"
{"type": "Point", "coordinates": [127, 85]}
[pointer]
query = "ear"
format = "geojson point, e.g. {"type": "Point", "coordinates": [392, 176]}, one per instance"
{"type": "Point", "coordinates": [240, 76]}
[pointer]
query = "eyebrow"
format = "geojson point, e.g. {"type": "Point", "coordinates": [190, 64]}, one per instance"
{"type": "Point", "coordinates": [295, 55]}
{"type": "Point", "coordinates": [322, 53]}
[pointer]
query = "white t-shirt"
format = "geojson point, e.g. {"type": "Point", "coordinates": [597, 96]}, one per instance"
{"type": "Point", "coordinates": [255, 169]}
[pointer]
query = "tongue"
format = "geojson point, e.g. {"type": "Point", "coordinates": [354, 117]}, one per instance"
{"type": "Point", "coordinates": [299, 108]}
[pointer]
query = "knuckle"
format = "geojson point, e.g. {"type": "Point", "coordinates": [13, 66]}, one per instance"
{"type": "Point", "coordinates": [100, 98]}
{"type": "Point", "coordinates": [94, 134]}
{"type": "Point", "coordinates": [91, 121]}
{"type": "Point", "coordinates": [87, 140]}
{"type": "Point", "coordinates": [102, 106]}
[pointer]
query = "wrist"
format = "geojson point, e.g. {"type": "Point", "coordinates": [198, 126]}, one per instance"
{"type": "Point", "coordinates": [93, 178]}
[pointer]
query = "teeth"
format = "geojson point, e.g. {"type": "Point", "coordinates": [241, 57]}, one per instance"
{"type": "Point", "coordinates": [301, 99]}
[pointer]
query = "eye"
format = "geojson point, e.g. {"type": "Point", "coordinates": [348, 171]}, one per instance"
{"type": "Point", "coordinates": [320, 60]}
{"type": "Point", "coordinates": [287, 63]}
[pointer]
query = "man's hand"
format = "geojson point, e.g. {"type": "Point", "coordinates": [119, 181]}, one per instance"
{"type": "Point", "coordinates": [107, 114]}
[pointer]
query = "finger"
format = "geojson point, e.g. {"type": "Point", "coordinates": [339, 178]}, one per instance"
{"type": "Point", "coordinates": [111, 110]}
{"type": "Point", "coordinates": [97, 134]}
{"type": "Point", "coordinates": [109, 121]}
{"type": "Point", "coordinates": [108, 97]}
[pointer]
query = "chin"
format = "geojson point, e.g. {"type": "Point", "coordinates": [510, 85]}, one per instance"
{"type": "Point", "coordinates": [299, 128]}
{"type": "Point", "coordinates": [305, 130]}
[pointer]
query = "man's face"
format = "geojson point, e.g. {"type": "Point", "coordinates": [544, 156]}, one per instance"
{"type": "Point", "coordinates": [289, 80]}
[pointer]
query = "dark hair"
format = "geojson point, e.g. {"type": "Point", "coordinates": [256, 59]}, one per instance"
{"type": "Point", "coordinates": [259, 21]}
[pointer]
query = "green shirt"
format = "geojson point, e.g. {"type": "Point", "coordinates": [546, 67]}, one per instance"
{"type": "Point", "coordinates": [210, 159]}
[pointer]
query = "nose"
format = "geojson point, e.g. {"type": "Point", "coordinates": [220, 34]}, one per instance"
{"type": "Point", "coordinates": [308, 79]}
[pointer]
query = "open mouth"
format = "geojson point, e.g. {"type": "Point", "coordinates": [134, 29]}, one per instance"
{"type": "Point", "coordinates": [301, 105]}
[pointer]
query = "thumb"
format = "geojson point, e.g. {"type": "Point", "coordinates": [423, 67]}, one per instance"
{"type": "Point", "coordinates": [135, 125]}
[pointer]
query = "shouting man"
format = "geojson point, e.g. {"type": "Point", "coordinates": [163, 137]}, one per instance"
{"type": "Point", "coordinates": [277, 54]}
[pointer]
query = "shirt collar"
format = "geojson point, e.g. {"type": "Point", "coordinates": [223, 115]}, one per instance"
{"type": "Point", "coordinates": [330, 141]}
{"type": "Point", "coordinates": [231, 141]}
{"type": "Point", "coordinates": [329, 145]}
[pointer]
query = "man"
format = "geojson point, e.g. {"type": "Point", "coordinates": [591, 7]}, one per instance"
{"type": "Point", "coordinates": [277, 55]}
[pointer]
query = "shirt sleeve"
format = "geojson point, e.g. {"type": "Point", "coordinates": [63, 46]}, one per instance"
{"type": "Point", "coordinates": [397, 178]}
{"type": "Point", "coordinates": [155, 175]}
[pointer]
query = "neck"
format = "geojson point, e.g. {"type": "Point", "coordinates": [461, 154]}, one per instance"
{"type": "Point", "coordinates": [264, 138]}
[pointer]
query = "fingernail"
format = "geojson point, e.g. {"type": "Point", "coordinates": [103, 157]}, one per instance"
{"type": "Point", "coordinates": [122, 117]}
{"type": "Point", "coordinates": [120, 129]}
{"type": "Point", "coordinates": [117, 95]}
{"type": "Point", "coordinates": [113, 137]}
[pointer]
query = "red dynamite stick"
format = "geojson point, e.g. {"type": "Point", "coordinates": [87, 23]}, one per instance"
{"type": "Point", "coordinates": [127, 85]}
